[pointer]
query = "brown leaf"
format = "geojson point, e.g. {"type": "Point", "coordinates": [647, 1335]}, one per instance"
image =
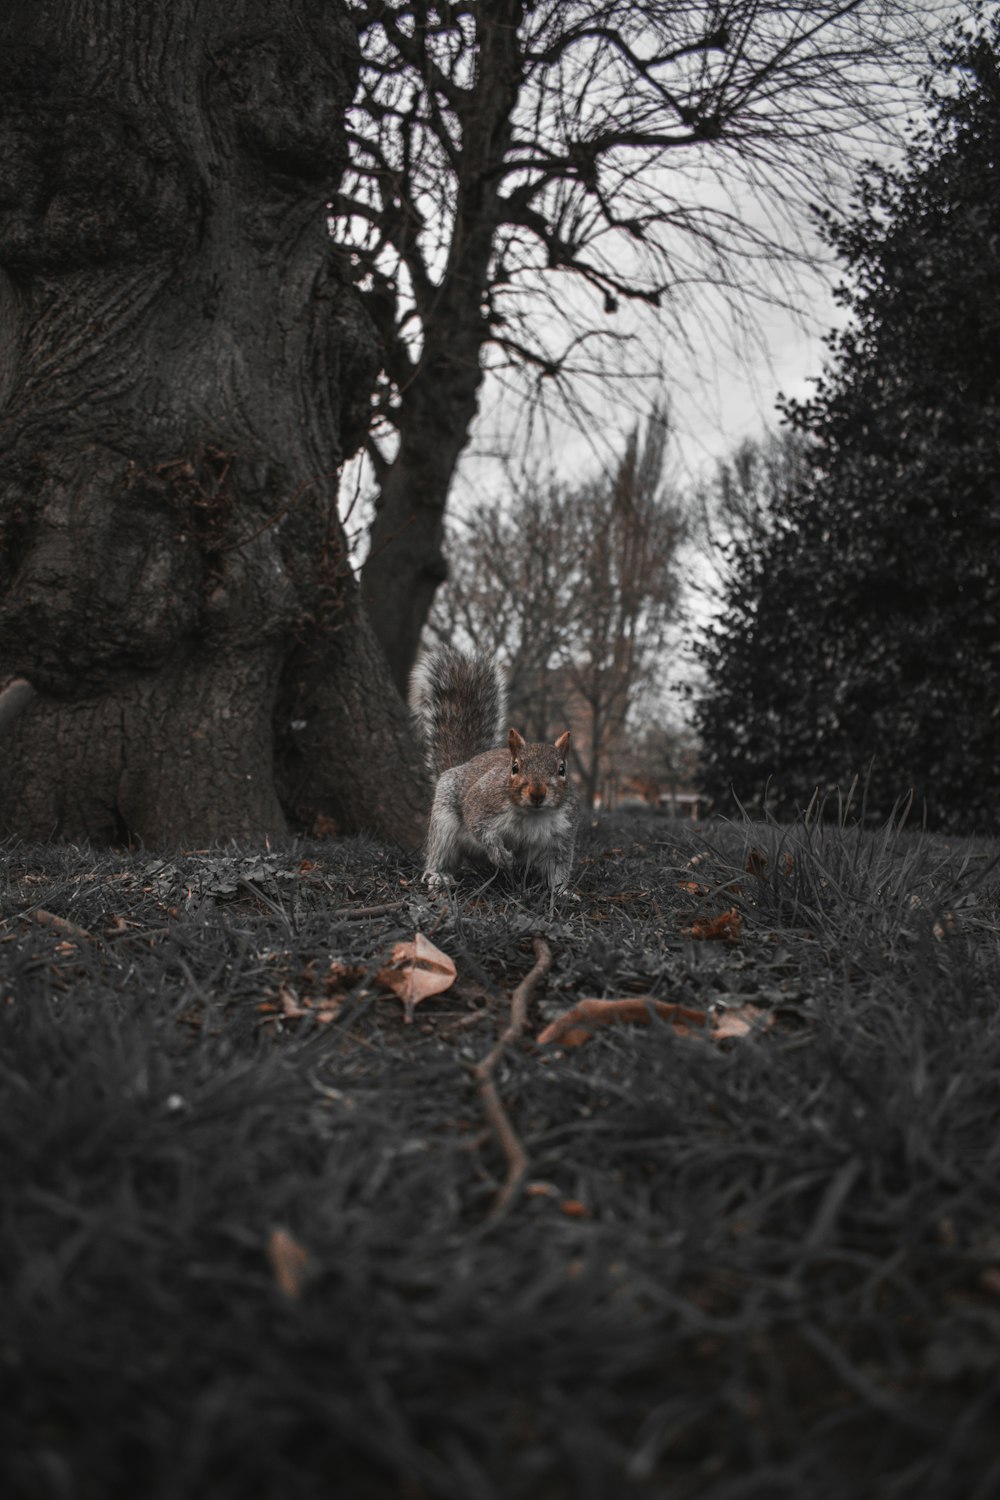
{"type": "Point", "coordinates": [738, 1022]}
{"type": "Point", "coordinates": [59, 924]}
{"type": "Point", "coordinates": [341, 977]}
{"type": "Point", "coordinates": [289, 1262]}
{"type": "Point", "coordinates": [291, 1005]}
{"type": "Point", "coordinates": [417, 970]}
{"type": "Point", "coordinates": [578, 1024]}
{"type": "Point", "coordinates": [725, 928]}
{"type": "Point", "coordinates": [294, 1009]}
{"type": "Point", "coordinates": [756, 864]}
{"type": "Point", "coordinates": [540, 1190]}
{"type": "Point", "coordinates": [574, 1209]}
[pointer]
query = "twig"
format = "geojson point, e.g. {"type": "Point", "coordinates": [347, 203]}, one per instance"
{"type": "Point", "coordinates": [355, 913]}
{"type": "Point", "coordinates": [60, 924]}
{"type": "Point", "coordinates": [514, 1153]}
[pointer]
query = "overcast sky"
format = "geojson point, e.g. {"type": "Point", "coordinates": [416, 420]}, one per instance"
{"type": "Point", "coordinates": [719, 393]}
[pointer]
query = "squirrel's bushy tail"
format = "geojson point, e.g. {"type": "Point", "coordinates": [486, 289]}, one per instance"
{"type": "Point", "coordinates": [460, 705]}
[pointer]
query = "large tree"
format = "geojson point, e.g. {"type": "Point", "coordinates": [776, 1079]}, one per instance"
{"type": "Point", "coordinates": [862, 628]}
{"type": "Point", "coordinates": [183, 367]}
{"type": "Point", "coordinates": [526, 171]}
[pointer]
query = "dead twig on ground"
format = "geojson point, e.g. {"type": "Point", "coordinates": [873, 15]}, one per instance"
{"type": "Point", "coordinates": [356, 913]}
{"type": "Point", "coordinates": [514, 1153]}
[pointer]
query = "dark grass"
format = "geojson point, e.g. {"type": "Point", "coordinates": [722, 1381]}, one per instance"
{"type": "Point", "coordinates": [785, 1277]}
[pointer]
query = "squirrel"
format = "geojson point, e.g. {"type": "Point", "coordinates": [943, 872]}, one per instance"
{"type": "Point", "coordinates": [500, 805]}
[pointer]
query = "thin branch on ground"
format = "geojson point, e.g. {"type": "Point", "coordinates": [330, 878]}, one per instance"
{"type": "Point", "coordinates": [514, 1153]}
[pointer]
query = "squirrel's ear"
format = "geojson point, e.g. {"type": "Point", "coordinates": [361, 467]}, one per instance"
{"type": "Point", "coordinates": [562, 743]}
{"type": "Point", "coordinates": [516, 743]}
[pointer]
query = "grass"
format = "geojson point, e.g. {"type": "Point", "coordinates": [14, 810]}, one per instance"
{"type": "Point", "coordinates": [766, 1267]}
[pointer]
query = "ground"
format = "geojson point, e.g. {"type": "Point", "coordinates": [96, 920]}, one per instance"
{"type": "Point", "coordinates": [261, 1237]}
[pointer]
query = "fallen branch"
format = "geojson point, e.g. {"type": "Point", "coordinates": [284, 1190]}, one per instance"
{"type": "Point", "coordinates": [719, 1023]}
{"type": "Point", "coordinates": [578, 1024]}
{"type": "Point", "coordinates": [355, 913]}
{"type": "Point", "coordinates": [514, 1153]}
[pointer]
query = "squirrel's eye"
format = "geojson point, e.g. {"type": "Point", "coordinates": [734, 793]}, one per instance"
{"type": "Point", "coordinates": [562, 768]}
{"type": "Point", "coordinates": [514, 768]}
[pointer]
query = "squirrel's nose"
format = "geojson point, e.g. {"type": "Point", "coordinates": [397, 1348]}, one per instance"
{"type": "Point", "coordinates": [536, 795]}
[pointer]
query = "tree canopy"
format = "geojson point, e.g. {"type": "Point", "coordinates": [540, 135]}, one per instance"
{"type": "Point", "coordinates": [522, 174]}
{"type": "Point", "coordinates": [860, 630]}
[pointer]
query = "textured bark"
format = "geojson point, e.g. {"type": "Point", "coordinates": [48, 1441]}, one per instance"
{"type": "Point", "coordinates": [182, 371]}
{"type": "Point", "coordinates": [406, 563]}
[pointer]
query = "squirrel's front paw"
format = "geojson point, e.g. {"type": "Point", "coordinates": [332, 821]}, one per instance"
{"type": "Point", "coordinates": [435, 879]}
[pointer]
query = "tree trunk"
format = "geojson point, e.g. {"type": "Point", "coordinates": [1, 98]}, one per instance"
{"type": "Point", "coordinates": [182, 371]}
{"type": "Point", "coordinates": [406, 563]}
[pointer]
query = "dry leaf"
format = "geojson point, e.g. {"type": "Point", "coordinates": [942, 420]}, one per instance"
{"type": "Point", "coordinates": [574, 1209]}
{"type": "Point", "coordinates": [756, 864]}
{"type": "Point", "coordinates": [540, 1190]}
{"type": "Point", "coordinates": [725, 928]}
{"type": "Point", "coordinates": [293, 1008]}
{"type": "Point", "coordinates": [739, 1022]}
{"type": "Point", "coordinates": [341, 976]}
{"type": "Point", "coordinates": [289, 1262]}
{"type": "Point", "coordinates": [577, 1025]}
{"type": "Point", "coordinates": [59, 924]}
{"type": "Point", "coordinates": [417, 970]}
{"type": "Point", "coordinates": [291, 1005]}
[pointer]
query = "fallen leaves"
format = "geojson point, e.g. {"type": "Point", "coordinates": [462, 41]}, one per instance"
{"type": "Point", "coordinates": [741, 1021]}
{"type": "Point", "coordinates": [578, 1024]}
{"type": "Point", "coordinates": [294, 1004]}
{"type": "Point", "coordinates": [725, 928]}
{"type": "Point", "coordinates": [416, 971]}
{"type": "Point", "coordinates": [289, 1262]}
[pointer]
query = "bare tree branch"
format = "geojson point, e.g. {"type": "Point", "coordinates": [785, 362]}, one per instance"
{"type": "Point", "coordinates": [650, 150]}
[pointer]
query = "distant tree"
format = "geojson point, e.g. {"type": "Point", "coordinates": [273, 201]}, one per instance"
{"type": "Point", "coordinates": [576, 589]}
{"type": "Point", "coordinates": [866, 627]}
{"type": "Point", "coordinates": [741, 503]}
{"type": "Point", "coordinates": [662, 759]}
{"type": "Point", "coordinates": [641, 151]}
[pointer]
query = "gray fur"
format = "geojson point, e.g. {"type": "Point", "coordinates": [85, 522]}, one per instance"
{"type": "Point", "coordinates": [460, 705]}
{"type": "Point", "coordinates": [484, 811]}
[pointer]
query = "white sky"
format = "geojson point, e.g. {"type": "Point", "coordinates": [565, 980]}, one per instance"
{"type": "Point", "coordinates": [718, 396]}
